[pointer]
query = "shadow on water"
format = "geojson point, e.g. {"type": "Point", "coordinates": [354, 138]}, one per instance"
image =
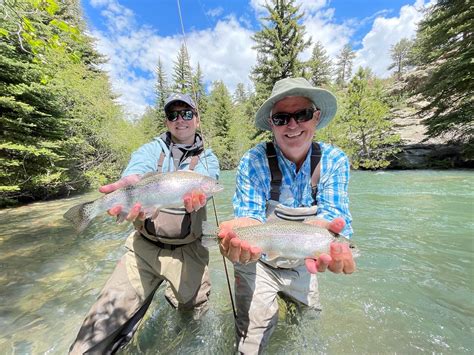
{"type": "Point", "coordinates": [412, 292]}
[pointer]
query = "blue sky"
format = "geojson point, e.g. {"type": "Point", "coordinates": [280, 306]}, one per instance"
{"type": "Point", "coordinates": [133, 34]}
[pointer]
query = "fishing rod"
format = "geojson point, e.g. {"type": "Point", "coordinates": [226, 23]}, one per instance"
{"type": "Point", "coordinates": [194, 91]}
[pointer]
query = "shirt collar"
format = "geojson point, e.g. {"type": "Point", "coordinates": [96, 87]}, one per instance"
{"type": "Point", "coordinates": [292, 166]}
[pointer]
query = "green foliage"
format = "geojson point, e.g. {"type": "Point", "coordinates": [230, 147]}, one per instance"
{"type": "Point", "coordinates": [368, 141]}
{"type": "Point", "coordinates": [443, 48]}
{"type": "Point", "coordinates": [319, 66]}
{"type": "Point", "coordinates": [344, 65]}
{"type": "Point", "coordinates": [107, 139]}
{"type": "Point", "coordinates": [400, 54]}
{"type": "Point", "coordinates": [199, 91]}
{"type": "Point", "coordinates": [151, 124]}
{"type": "Point", "coordinates": [242, 128]}
{"type": "Point", "coordinates": [228, 126]}
{"type": "Point", "coordinates": [182, 76]}
{"type": "Point", "coordinates": [32, 127]}
{"type": "Point", "coordinates": [216, 123]}
{"type": "Point", "coordinates": [278, 44]}
{"type": "Point", "coordinates": [161, 87]}
{"type": "Point", "coordinates": [36, 27]}
{"type": "Point", "coordinates": [61, 130]}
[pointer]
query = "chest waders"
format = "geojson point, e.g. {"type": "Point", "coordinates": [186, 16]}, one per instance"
{"type": "Point", "coordinates": [275, 210]}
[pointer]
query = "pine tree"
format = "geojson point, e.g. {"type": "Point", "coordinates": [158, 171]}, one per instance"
{"type": "Point", "coordinates": [242, 129]}
{"type": "Point", "coordinates": [400, 54]}
{"type": "Point", "coordinates": [444, 49]}
{"type": "Point", "coordinates": [31, 145]}
{"type": "Point", "coordinates": [199, 92]}
{"type": "Point", "coordinates": [151, 123]}
{"type": "Point", "coordinates": [161, 93]}
{"type": "Point", "coordinates": [219, 117]}
{"type": "Point", "coordinates": [370, 138]}
{"type": "Point", "coordinates": [161, 87]}
{"type": "Point", "coordinates": [61, 129]}
{"type": "Point", "coordinates": [240, 95]}
{"type": "Point", "coordinates": [182, 75]}
{"type": "Point", "coordinates": [70, 13]}
{"type": "Point", "coordinates": [344, 65]}
{"type": "Point", "coordinates": [278, 45]}
{"type": "Point", "coordinates": [319, 66]}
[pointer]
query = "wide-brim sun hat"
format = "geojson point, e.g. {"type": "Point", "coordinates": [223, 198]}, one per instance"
{"type": "Point", "coordinates": [324, 100]}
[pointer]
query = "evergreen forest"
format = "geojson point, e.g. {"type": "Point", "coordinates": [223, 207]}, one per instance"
{"type": "Point", "coordinates": [62, 131]}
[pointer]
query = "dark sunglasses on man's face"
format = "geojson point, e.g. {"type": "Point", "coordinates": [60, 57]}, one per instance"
{"type": "Point", "coordinates": [186, 115]}
{"type": "Point", "coordinates": [283, 118]}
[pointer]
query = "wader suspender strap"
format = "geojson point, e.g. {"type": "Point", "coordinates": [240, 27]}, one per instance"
{"type": "Point", "coordinates": [161, 159]}
{"type": "Point", "coordinates": [192, 163]}
{"type": "Point", "coordinates": [315, 169]}
{"type": "Point", "coordinates": [276, 173]}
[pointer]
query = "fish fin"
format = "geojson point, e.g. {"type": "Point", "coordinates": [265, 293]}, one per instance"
{"type": "Point", "coordinates": [78, 217]}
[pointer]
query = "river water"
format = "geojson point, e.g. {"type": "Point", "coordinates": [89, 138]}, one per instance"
{"type": "Point", "coordinates": [413, 291]}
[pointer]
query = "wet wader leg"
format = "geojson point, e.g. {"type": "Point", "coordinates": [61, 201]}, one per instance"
{"type": "Point", "coordinates": [116, 314]}
{"type": "Point", "coordinates": [195, 259]}
{"type": "Point", "coordinates": [257, 307]}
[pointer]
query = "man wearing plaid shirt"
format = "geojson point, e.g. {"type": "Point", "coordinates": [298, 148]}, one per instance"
{"type": "Point", "coordinates": [290, 178]}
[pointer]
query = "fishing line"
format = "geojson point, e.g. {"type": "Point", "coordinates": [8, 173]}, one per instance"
{"type": "Point", "coordinates": [193, 88]}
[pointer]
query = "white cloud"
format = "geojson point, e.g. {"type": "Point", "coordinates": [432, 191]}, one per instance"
{"type": "Point", "coordinates": [385, 32]}
{"type": "Point", "coordinates": [223, 52]}
{"type": "Point", "coordinates": [215, 12]}
{"type": "Point", "coordinates": [309, 6]}
{"type": "Point", "coordinates": [258, 5]}
{"type": "Point", "coordinates": [321, 27]}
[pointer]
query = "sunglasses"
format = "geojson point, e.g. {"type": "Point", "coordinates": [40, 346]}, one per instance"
{"type": "Point", "coordinates": [283, 118]}
{"type": "Point", "coordinates": [186, 115]}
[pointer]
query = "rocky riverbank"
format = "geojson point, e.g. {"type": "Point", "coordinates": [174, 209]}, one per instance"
{"type": "Point", "coordinates": [418, 151]}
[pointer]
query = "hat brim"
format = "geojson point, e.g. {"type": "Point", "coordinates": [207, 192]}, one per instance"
{"type": "Point", "coordinates": [323, 99]}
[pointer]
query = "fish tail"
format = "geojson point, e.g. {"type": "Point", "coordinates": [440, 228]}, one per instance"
{"type": "Point", "coordinates": [80, 215]}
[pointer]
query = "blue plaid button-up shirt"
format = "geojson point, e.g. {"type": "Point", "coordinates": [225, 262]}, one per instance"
{"type": "Point", "coordinates": [254, 177]}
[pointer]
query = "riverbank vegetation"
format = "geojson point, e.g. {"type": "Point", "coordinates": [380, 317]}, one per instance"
{"type": "Point", "coordinates": [62, 130]}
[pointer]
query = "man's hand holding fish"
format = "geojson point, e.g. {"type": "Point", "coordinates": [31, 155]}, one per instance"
{"type": "Point", "coordinates": [232, 247]}
{"type": "Point", "coordinates": [339, 259]}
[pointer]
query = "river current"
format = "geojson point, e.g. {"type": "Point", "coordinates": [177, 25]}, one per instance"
{"type": "Point", "coordinates": [413, 291]}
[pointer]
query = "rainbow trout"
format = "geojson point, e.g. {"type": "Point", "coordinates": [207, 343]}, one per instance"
{"type": "Point", "coordinates": [290, 240]}
{"type": "Point", "coordinates": [154, 191]}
